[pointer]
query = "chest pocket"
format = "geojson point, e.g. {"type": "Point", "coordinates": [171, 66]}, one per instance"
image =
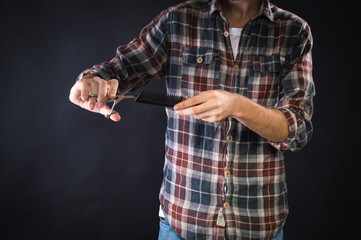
{"type": "Point", "coordinates": [263, 81]}
{"type": "Point", "coordinates": [200, 71]}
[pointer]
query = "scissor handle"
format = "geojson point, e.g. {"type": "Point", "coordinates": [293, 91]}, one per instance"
{"type": "Point", "coordinates": [115, 101]}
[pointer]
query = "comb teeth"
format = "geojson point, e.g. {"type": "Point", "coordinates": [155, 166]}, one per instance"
{"type": "Point", "coordinates": [157, 98]}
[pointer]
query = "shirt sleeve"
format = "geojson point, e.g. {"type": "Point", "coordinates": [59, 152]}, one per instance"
{"type": "Point", "coordinates": [296, 95]}
{"type": "Point", "coordinates": [143, 58]}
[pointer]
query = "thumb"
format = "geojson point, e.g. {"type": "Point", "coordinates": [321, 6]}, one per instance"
{"type": "Point", "coordinates": [105, 110]}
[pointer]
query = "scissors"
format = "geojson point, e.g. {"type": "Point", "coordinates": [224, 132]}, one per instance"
{"type": "Point", "coordinates": [115, 101]}
{"type": "Point", "coordinates": [119, 98]}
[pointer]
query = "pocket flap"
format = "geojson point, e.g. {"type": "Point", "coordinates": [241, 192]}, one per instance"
{"type": "Point", "coordinates": [266, 64]}
{"type": "Point", "coordinates": [198, 56]}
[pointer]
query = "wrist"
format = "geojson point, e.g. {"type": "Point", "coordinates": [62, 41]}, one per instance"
{"type": "Point", "coordinates": [238, 106]}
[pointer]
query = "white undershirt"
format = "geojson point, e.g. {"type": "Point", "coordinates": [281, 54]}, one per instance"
{"type": "Point", "coordinates": [235, 34]}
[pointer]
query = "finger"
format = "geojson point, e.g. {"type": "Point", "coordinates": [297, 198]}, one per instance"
{"type": "Point", "coordinates": [212, 119]}
{"type": "Point", "coordinates": [115, 117]}
{"type": "Point", "coordinates": [112, 88]}
{"type": "Point", "coordinates": [105, 110]}
{"type": "Point", "coordinates": [81, 89]}
{"type": "Point", "coordinates": [93, 91]}
{"type": "Point", "coordinates": [84, 87]}
{"type": "Point", "coordinates": [198, 99]}
{"type": "Point", "coordinates": [75, 96]}
{"type": "Point", "coordinates": [211, 114]}
{"type": "Point", "coordinates": [186, 103]}
{"type": "Point", "coordinates": [102, 92]}
{"type": "Point", "coordinates": [197, 109]}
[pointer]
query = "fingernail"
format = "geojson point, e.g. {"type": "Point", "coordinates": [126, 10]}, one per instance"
{"type": "Point", "coordinates": [100, 104]}
{"type": "Point", "coordinates": [91, 106]}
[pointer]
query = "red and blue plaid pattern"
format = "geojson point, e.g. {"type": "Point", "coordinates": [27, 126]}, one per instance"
{"type": "Point", "coordinates": [225, 165]}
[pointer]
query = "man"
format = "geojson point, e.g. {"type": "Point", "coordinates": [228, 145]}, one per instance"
{"type": "Point", "coordinates": [245, 68]}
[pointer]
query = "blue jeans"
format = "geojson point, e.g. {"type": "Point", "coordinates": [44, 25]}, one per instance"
{"type": "Point", "coordinates": [166, 232]}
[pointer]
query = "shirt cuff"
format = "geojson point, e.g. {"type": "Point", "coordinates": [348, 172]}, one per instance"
{"type": "Point", "coordinates": [292, 129]}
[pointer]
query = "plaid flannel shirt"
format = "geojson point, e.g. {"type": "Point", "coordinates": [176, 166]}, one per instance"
{"type": "Point", "coordinates": [224, 171]}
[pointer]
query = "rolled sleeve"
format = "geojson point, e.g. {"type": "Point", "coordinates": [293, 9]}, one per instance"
{"type": "Point", "coordinates": [300, 131]}
{"type": "Point", "coordinates": [296, 96]}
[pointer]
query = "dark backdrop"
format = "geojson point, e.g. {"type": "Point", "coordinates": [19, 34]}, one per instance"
{"type": "Point", "coordinates": [66, 173]}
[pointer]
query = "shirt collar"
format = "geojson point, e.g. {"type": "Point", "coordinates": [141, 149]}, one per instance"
{"type": "Point", "coordinates": [215, 6]}
{"type": "Point", "coordinates": [265, 9]}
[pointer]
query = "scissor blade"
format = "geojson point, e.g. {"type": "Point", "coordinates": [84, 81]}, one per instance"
{"type": "Point", "coordinates": [116, 101]}
{"type": "Point", "coordinates": [122, 96]}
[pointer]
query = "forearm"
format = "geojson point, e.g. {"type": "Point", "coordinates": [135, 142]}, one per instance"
{"type": "Point", "coordinates": [216, 105]}
{"type": "Point", "coordinates": [268, 123]}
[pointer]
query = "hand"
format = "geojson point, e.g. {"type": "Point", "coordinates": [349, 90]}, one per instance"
{"type": "Point", "coordinates": [101, 89]}
{"type": "Point", "coordinates": [209, 106]}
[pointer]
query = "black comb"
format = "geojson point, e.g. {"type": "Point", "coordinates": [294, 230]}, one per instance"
{"type": "Point", "coordinates": [158, 98]}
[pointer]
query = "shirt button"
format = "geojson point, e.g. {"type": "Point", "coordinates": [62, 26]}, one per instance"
{"type": "Point", "coordinates": [199, 60]}
{"type": "Point", "coordinates": [229, 138]}
{"type": "Point", "coordinates": [236, 68]}
{"type": "Point", "coordinates": [226, 33]}
{"type": "Point", "coordinates": [227, 173]}
{"type": "Point", "coordinates": [226, 205]}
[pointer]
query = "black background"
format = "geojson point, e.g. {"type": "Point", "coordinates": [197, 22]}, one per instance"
{"type": "Point", "coordinates": [66, 173]}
